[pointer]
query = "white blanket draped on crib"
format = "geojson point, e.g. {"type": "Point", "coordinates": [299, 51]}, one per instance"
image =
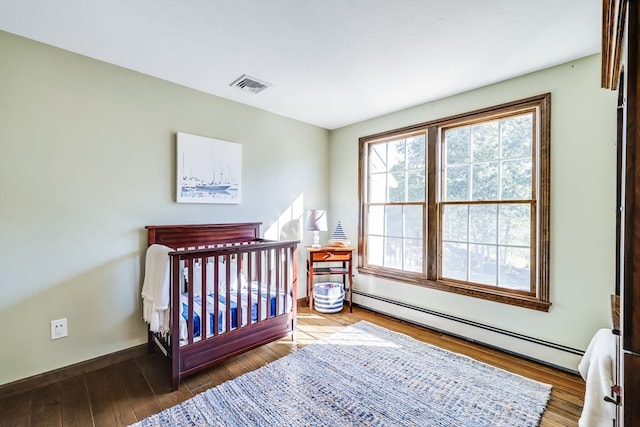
{"type": "Point", "coordinates": [597, 368]}
{"type": "Point", "coordinates": [155, 289]}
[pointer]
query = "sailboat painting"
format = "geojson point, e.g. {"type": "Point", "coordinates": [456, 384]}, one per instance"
{"type": "Point", "coordinates": [208, 170]}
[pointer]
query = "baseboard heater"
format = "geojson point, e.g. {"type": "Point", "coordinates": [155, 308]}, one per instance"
{"type": "Point", "coordinates": [548, 353]}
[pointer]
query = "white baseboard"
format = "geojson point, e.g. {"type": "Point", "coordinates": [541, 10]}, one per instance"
{"type": "Point", "coordinates": [551, 354]}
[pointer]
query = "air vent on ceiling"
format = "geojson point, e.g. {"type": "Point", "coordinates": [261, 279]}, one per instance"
{"type": "Point", "coordinates": [249, 84]}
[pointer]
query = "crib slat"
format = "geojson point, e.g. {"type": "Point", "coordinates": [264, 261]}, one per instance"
{"type": "Point", "coordinates": [249, 290]}
{"type": "Point", "coordinates": [190, 286]}
{"type": "Point", "coordinates": [204, 319]}
{"type": "Point", "coordinates": [227, 275]}
{"type": "Point", "coordinates": [292, 266]}
{"type": "Point", "coordinates": [259, 282]}
{"type": "Point", "coordinates": [174, 338]}
{"type": "Point", "coordinates": [285, 272]}
{"type": "Point", "coordinates": [278, 274]}
{"type": "Point", "coordinates": [216, 296]}
{"type": "Point", "coordinates": [238, 295]}
{"type": "Point", "coordinates": [269, 281]}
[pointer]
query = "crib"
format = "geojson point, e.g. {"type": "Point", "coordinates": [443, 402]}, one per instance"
{"type": "Point", "coordinates": [230, 292]}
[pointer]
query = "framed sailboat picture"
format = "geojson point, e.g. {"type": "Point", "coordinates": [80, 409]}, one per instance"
{"type": "Point", "coordinates": [208, 170]}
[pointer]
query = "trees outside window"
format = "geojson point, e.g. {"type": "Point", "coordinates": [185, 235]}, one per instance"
{"type": "Point", "coordinates": [462, 203]}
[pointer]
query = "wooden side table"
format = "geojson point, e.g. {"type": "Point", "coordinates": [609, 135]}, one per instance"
{"type": "Point", "coordinates": [342, 256]}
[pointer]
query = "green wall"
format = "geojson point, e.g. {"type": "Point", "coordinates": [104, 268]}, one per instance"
{"type": "Point", "coordinates": [88, 159]}
{"type": "Point", "coordinates": [583, 175]}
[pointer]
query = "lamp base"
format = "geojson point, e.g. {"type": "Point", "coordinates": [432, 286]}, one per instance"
{"type": "Point", "coordinates": [316, 239]}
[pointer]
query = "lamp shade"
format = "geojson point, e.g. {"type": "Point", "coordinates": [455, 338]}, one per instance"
{"type": "Point", "coordinates": [317, 220]}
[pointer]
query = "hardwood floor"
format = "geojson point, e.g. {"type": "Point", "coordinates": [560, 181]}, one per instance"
{"type": "Point", "coordinates": [132, 390]}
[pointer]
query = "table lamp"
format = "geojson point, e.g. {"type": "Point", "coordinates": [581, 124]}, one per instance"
{"type": "Point", "coordinates": [316, 222]}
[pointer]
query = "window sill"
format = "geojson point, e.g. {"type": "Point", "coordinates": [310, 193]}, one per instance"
{"type": "Point", "coordinates": [519, 299]}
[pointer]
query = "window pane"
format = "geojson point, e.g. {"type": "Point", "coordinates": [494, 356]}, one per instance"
{"type": "Point", "coordinates": [375, 250]}
{"type": "Point", "coordinates": [397, 156]}
{"type": "Point", "coordinates": [516, 179]}
{"type": "Point", "coordinates": [413, 252]}
{"type": "Point", "coordinates": [484, 266]}
{"type": "Point", "coordinates": [416, 152]}
{"type": "Point", "coordinates": [515, 267]}
{"type": "Point", "coordinates": [393, 221]}
{"type": "Point", "coordinates": [413, 221]}
{"type": "Point", "coordinates": [454, 222]}
{"type": "Point", "coordinates": [516, 133]}
{"type": "Point", "coordinates": [416, 186]}
{"type": "Point", "coordinates": [376, 220]}
{"type": "Point", "coordinates": [457, 145]}
{"type": "Point", "coordinates": [378, 158]}
{"type": "Point", "coordinates": [454, 260]}
{"type": "Point", "coordinates": [378, 188]}
{"type": "Point", "coordinates": [483, 220]}
{"type": "Point", "coordinates": [515, 225]}
{"type": "Point", "coordinates": [457, 183]}
{"type": "Point", "coordinates": [397, 187]}
{"type": "Point", "coordinates": [393, 253]}
{"type": "Point", "coordinates": [485, 181]}
{"type": "Point", "coordinates": [485, 141]}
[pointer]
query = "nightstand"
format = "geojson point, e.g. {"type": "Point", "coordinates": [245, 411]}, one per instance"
{"type": "Point", "coordinates": [342, 259]}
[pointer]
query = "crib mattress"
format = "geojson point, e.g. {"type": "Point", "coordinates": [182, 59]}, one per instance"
{"type": "Point", "coordinates": [222, 310]}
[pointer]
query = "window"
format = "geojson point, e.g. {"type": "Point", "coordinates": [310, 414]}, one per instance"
{"type": "Point", "coordinates": [462, 204]}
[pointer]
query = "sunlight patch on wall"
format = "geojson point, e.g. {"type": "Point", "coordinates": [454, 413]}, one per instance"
{"type": "Point", "coordinates": [288, 226]}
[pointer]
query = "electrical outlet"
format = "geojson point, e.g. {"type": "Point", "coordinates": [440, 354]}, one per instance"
{"type": "Point", "coordinates": [58, 328]}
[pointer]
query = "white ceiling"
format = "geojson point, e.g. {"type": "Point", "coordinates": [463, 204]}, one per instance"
{"type": "Point", "coordinates": [329, 62]}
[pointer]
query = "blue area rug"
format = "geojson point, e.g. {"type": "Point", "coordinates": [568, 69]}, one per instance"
{"type": "Point", "coordinates": [366, 375]}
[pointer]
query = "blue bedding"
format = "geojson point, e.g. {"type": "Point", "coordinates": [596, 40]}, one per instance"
{"type": "Point", "coordinates": [197, 304]}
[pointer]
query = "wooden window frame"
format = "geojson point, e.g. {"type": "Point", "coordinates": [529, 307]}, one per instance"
{"type": "Point", "coordinates": [539, 297]}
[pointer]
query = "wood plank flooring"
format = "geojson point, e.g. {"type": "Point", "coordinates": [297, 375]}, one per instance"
{"type": "Point", "coordinates": [124, 393]}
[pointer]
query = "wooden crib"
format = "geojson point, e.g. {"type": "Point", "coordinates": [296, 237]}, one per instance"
{"type": "Point", "coordinates": [244, 287]}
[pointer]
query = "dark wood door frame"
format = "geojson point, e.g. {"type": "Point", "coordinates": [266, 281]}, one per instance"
{"type": "Point", "coordinates": [620, 69]}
